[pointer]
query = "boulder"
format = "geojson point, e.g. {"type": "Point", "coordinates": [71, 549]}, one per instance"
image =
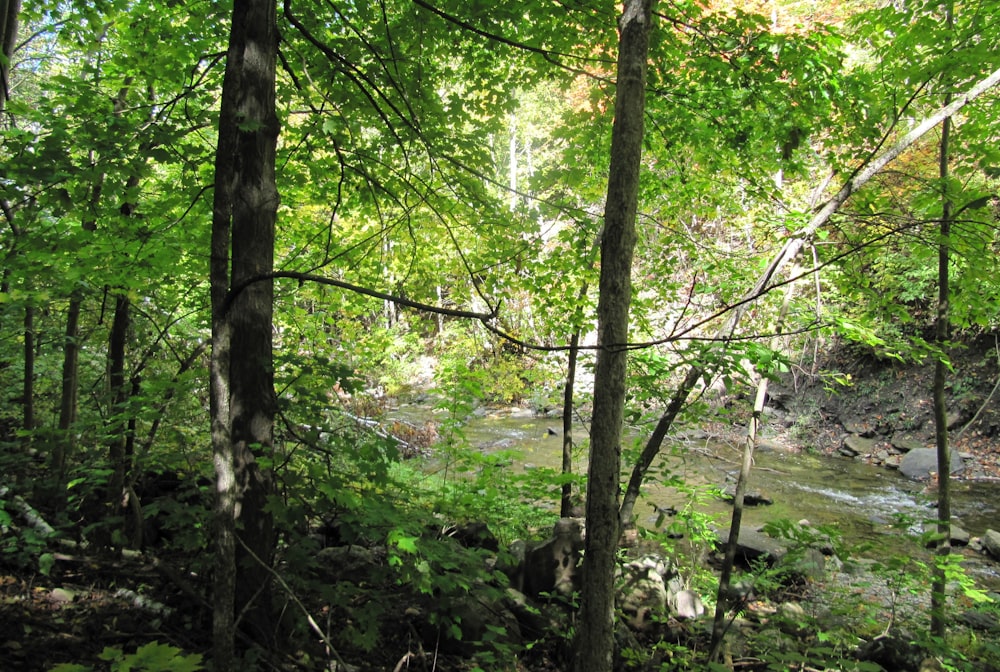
{"type": "Point", "coordinates": [754, 544]}
{"type": "Point", "coordinates": [806, 564]}
{"type": "Point", "coordinates": [550, 566]}
{"type": "Point", "coordinates": [686, 604]}
{"type": "Point", "coordinates": [959, 537]}
{"type": "Point", "coordinates": [642, 592]}
{"type": "Point", "coordinates": [855, 444]}
{"type": "Point", "coordinates": [920, 463]}
{"type": "Point", "coordinates": [905, 444]}
{"type": "Point", "coordinates": [991, 543]}
{"type": "Point", "coordinates": [750, 497]}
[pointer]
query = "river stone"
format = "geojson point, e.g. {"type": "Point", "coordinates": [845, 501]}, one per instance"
{"type": "Point", "coordinates": [855, 444]}
{"type": "Point", "coordinates": [991, 542]}
{"type": "Point", "coordinates": [905, 444]}
{"type": "Point", "coordinates": [754, 544]}
{"type": "Point", "coordinates": [750, 497]}
{"type": "Point", "coordinates": [918, 464]}
{"type": "Point", "coordinates": [959, 537]}
{"type": "Point", "coordinates": [642, 596]}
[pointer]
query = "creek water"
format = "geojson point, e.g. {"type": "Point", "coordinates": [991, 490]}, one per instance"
{"type": "Point", "coordinates": [863, 502]}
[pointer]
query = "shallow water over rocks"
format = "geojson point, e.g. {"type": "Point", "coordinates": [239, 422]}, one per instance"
{"type": "Point", "coordinates": [864, 502]}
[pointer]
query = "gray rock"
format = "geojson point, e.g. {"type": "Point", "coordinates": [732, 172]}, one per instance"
{"type": "Point", "coordinates": [991, 543]}
{"type": "Point", "coordinates": [855, 444]}
{"type": "Point", "coordinates": [754, 544]}
{"type": "Point", "coordinates": [905, 444]}
{"type": "Point", "coordinates": [642, 593]}
{"type": "Point", "coordinates": [686, 605]}
{"type": "Point", "coordinates": [807, 564]}
{"type": "Point", "coordinates": [959, 537]}
{"type": "Point", "coordinates": [918, 464]}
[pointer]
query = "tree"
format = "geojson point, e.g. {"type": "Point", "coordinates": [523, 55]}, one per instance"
{"type": "Point", "coordinates": [9, 13]}
{"type": "Point", "coordinates": [595, 639]}
{"type": "Point", "coordinates": [242, 374]}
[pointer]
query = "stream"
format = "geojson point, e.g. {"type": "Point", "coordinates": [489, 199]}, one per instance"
{"type": "Point", "coordinates": [860, 500]}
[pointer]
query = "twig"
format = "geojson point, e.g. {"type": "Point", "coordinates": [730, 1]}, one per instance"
{"type": "Point", "coordinates": [291, 594]}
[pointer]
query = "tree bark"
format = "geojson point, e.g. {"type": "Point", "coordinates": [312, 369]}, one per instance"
{"type": "Point", "coordinates": [566, 498]}
{"type": "Point", "coordinates": [595, 639]}
{"type": "Point", "coordinates": [243, 402]}
{"type": "Point", "coordinates": [939, 584]}
{"type": "Point", "coordinates": [9, 11]}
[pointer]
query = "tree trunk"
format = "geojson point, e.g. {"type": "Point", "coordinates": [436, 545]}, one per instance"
{"type": "Point", "coordinates": [118, 393]}
{"type": "Point", "coordinates": [939, 584]}
{"type": "Point", "coordinates": [566, 500]}
{"type": "Point", "coordinates": [64, 442]}
{"type": "Point", "coordinates": [9, 11]}
{"type": "Point", "coordinates": [595, 639]}
{"type": "Point", "coordinates": [243, 401]}
{"type": "Point", "coordinates": [722, 603]}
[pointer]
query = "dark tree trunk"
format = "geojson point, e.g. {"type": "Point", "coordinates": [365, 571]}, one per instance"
{"type": "Point", "coordinates": [9, 11]}
{"type": "Point", "coordinates": [939, 584]}
{"type": "Point", "coordinates": [595, 639]}
{"type": "Point", "coordinates": [119, 394]}
{"type": "Point", "coordinates": [64, 442]}
{"type": "Point", "coordinates": [243, 402]}
{"type": "Point", "coordinates": [566, 500]}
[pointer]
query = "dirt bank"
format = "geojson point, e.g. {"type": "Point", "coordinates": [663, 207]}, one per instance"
{"type": "Point", "coordinates": [889, 405]}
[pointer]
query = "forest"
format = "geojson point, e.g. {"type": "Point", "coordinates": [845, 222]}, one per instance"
{"type": "Point", "coordinates": [463, 335]}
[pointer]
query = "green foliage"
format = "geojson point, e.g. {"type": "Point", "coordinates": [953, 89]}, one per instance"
{"type": "Point", "coordinates": [23, 547]}
{"type": "Point", "coordinates": [151, 657]}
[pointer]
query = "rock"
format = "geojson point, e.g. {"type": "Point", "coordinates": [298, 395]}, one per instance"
{"type": "Point", "coordinates": [991, 543]}
{"type": "Point", "coordinates": [905, 444]}
{"type": "Point", "coordinates": [856, 426]}
{"type": "Point", "coordinates": [62, 595]}
{"type": "Point", "coordinates": [550, 566]}
{"type": "Point", "coordinates": [893, 651]}
{"type": "Point", "coordinates": [792, 619]}
{"type": "Point", "coordinates": [642, 594]}
{"type": "Point", "coordinates": [855, 444]}
{"type": "Point", "coordinates": [750, 497]}
{"type": "Point", "coordinates": [978, 620]}
{"type": "Point", "coordinates": [959, 537]}
{"type": "Point", "coordinates": [808, 564]}
{"type": "Point", "coordinates": [686, 604]}
{"type": "Point", "coordinates": [771, 445]}
{"type": "Point", "coordinates": [918, 464]}
{"type": "Point", "coordinates": [754, 544]}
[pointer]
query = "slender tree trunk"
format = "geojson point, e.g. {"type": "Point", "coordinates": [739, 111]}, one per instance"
{"type": "Point", "coordinates": [722, 603]}
{"type": "Point", "coordinates": [65, 441]}
{"type": "Point", "coordinates": [9, 11]}
{"type": "Point", "coordinates": [28, 385]}
{"type": "Point", "coordinates": [566, 500]}
{"type": "Point", "coordinates": [939, 585]}
{"type": "Point", "coordinates": [243, 402]}
{"type": "Point", "coordinates": [595, 639]}
{"type": "Point", "coordinates": [118, 393]}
